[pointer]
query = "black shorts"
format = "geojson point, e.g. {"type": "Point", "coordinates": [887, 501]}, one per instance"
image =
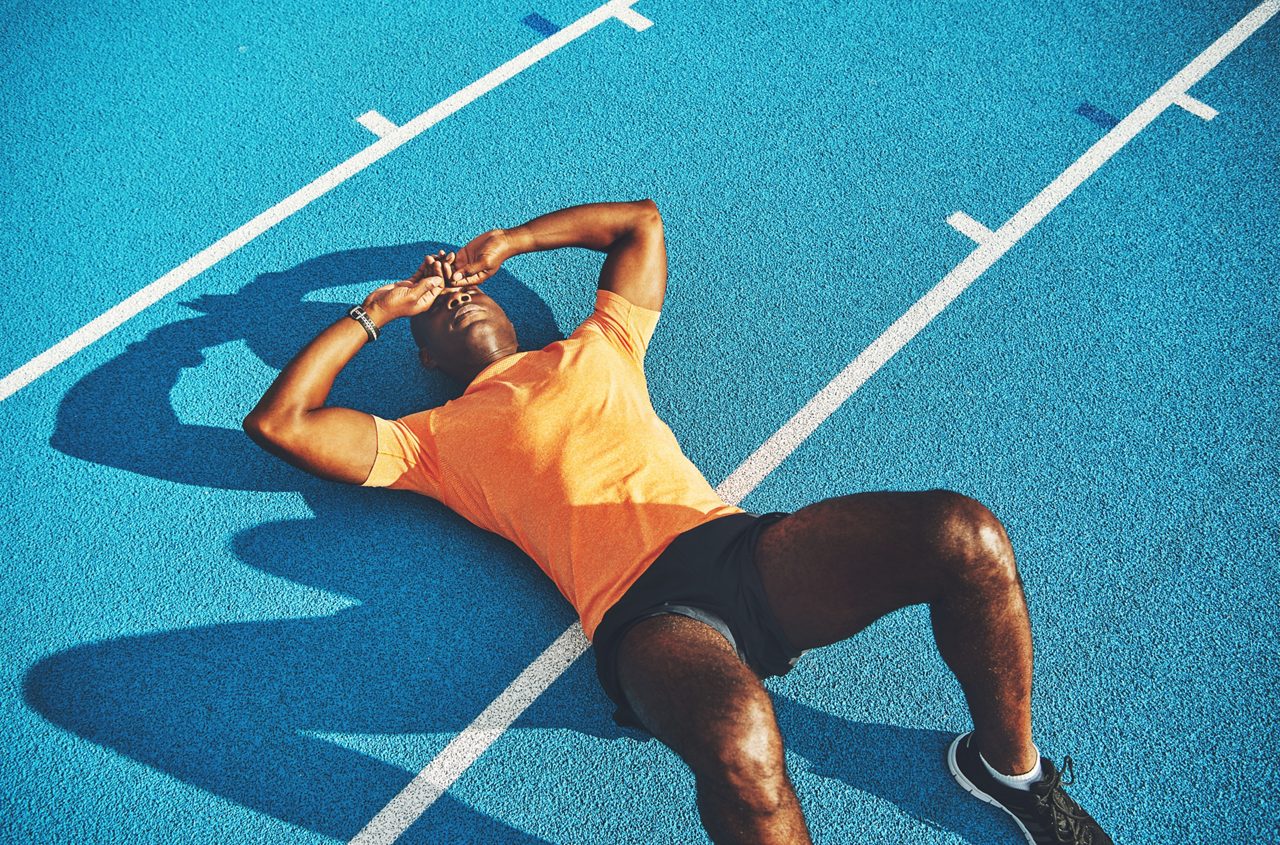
{"type": "Point", "coordinates": [707, 573]}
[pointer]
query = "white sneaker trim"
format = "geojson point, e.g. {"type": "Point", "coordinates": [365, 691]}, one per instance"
{"type": "Point", "coordinates": [978, 793]}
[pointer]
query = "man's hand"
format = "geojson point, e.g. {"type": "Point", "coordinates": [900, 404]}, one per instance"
{"type": "Point", "coordinates": [414, 295]}
{"type": "Point", "coordinates": [482, 257]}
{"type": "Point", "coordinates": [629, 232]}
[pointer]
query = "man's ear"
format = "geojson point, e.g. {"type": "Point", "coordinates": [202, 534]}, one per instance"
{"type": "Point", "coordinates": [426, 359]}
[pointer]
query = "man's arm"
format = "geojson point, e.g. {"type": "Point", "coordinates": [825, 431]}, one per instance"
{"type": "Point", "coordinates": [291, 421]}
{"type": "Point", "coordinates": [629, 232]}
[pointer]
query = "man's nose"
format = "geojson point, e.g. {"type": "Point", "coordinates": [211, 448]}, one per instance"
{"type": "Point", "coordinates": [459, 299]}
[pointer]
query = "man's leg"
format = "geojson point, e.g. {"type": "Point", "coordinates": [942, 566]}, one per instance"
{"type": "Point", "coordinates": [687, 685]}
{"type": "Point", "coordinates": [832, 568]}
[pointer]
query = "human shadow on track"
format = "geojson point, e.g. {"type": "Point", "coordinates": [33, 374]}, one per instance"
{"type": "Point", "coordinates": [905, 766]}
{"type": "Point", "coordinates": [447, 615]}
{"type": "Point", "coordinates": [444, 615]}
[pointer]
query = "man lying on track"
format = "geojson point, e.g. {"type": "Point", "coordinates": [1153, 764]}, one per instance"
{"type": "Point", "coordinates": [689, 601]}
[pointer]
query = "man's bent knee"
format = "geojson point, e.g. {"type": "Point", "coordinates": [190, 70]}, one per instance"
{"type": "Point", "coordinates": [971, 541]}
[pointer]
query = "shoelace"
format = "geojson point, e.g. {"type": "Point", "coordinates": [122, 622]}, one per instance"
{"type": "Point", "coordinates": [1066, 818]}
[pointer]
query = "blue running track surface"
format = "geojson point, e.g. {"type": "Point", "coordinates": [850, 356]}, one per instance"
{"type": "Point", "coordinates": [204, 645]}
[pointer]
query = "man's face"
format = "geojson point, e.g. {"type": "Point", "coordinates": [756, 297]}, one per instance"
{"type": "Point", "coordinates": [462, 328]}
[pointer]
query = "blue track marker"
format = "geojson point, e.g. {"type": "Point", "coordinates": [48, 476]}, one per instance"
{"type": "Point", "coordinates": [539, 24]}
{"type": "Point", "coordinates": [1104, 119]}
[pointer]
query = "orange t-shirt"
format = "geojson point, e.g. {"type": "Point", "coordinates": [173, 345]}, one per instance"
{"type": "Point", "coordinates": [559, 450]}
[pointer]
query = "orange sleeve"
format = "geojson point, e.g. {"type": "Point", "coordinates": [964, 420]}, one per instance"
{"type": "Point", "coordinates": [624, 324]}
{"type": "Point", "coordinates": [405, 459]}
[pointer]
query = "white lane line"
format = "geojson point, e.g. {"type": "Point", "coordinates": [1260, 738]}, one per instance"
{"type": "Point", "coordinates": [211, 255]}
{"type": "Point", "coordinates": [449, 765]}
{"type": "Point", "coordinates": [970, 228]}
{"type": "Point", "coordinates": [634, 19]}
{"type": "Point", "coordinates": [1204, 111]}
{"type": "Point", "coordinates": [376, 123]}
{"type": "Point", "coordinates": [785, 441]}
{"type": "Point", "coordinates": [394, 819]}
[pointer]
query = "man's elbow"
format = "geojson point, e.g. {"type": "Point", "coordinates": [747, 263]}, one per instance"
{"type": "Point", "coordinates": [648, 218]}
{"type": "Point", "coordinates": [265, 430]}
{"type": "Point", "coordinates": [649, 212]}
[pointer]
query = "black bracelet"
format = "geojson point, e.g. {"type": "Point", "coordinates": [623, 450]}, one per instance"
{"type": "Point", "coordinates": [358, 314]}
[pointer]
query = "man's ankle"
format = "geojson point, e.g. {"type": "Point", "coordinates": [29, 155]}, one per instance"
{"type": "Point", "coordinates": [1008, 759]}
{"type": "Point", "coordinates": [1017, 779]}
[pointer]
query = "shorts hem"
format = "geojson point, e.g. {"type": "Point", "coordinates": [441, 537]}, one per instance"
{"type": "Point", "coordinates": [708, 570]}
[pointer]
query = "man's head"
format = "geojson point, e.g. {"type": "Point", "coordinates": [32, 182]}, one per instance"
{"type": "Point", "coordinates": [463, 332]}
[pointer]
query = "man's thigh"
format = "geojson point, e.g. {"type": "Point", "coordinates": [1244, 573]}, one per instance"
{"type": "Point", "coordinates": [832, 568]}
{"type": "Point", "coordinates": [689, 688]}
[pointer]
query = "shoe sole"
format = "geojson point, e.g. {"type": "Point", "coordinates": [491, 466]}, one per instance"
{"type": "Point", "coordinates": [978, 793]}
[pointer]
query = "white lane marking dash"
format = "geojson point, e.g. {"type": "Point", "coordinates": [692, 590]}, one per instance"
{"type": "Point", "coordinates": [376, 123]}
{"type": "Point", "coordinates": [970, 228]}
{"type": "Point", "coordinates": [129, 308]}
{"type": "Point", "coordinates": [633, 19]}
{"type": "Point", "coordinates": [1204, 111]}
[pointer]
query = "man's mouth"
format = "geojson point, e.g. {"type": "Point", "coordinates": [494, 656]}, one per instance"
{"type": "Point", "coordinates": [466, 309]}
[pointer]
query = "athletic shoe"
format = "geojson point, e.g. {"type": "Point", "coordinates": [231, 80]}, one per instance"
{"type": "Point", "coordinates": [1046, 814]}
